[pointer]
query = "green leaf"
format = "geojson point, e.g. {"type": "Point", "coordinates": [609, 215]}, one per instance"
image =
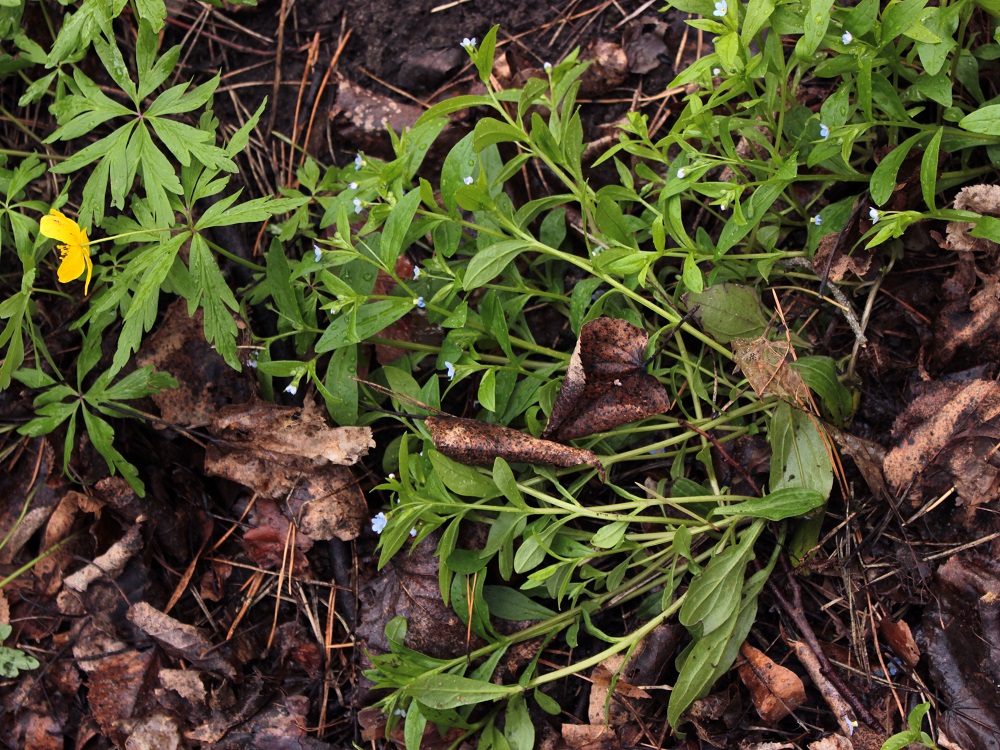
{"type": "Point", "coordinates": [714, 594]}
{"type": "Point", "coordinates": [490, 131]}
{"type": "Point", "coordinates": [777, 506]}
{"type": "Point", "coordinates": [800, 452]}
{"type": "Point", "coordinates": [729, 311]}
{"type": "Point", "coordinates": [396, 225]}
{"type": "Point", "coordinates": [101, 436]}
{"type": "Point", "coordinates": [140, 383]}
{"type": "Point", "coordinates": [361, 322]}
{"type": "Point", "coordinates": [547, 703]}
{"type": "Point", "coordinates": [611, 221]}
{"type": "Point", "coordinates": [820, 374]}
{"type": "Point", "coordinates": [884, 177]}
{"type": "Point", "coordinates": [489, 262]}
{"type": "Point", "coordinates": [518, 728]}
{"type": "Point", "coordinates": [698, 673]}
{"type": "Point", "coordinates": [217, 300]}
{"type": "Point", "coordinates": [610, 535]}
{"type": "Point", "coordinates": [487, 390]}
{"type": "Point", "coordinates": [484, 55]}
{"type": "Point", "coordinates": [448, 691]}
{"type": "Point", "coordinates": [13, 660]}
{"type": "Point", "coordinates": [461, 162]}
{"type": "Point", "coordinates": [342, 401]}
{"type": "Point", "coordinates": [758, 16]}
{"type": "Point", "coordinates": [985, 120]}
{"type": "Point", "coordinates": [462, 479]}
{"type": "Point", "coordinates": [510, 604]}
{"type": "Point", "coordinates": [416, 722]}
{"type": "Point", "coordinates": [504, 479]}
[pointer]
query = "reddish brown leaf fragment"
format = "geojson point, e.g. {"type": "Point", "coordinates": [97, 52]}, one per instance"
{"type": "Point", "coordinates": [475, 443]}
{"type": "Point", "coordinates": [606, 384]}
{"type": "Point", "coordinates": [900, 640]}
{"type": "Point", "coordinates": [776, 690]}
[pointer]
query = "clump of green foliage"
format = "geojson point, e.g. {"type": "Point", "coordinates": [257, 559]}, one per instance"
{"type": "Point", "coordinates": [774, 174]}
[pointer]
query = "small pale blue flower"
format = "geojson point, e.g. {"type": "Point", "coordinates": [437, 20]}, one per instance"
{"type": "Point", "coordinates": [379, 523]}
{"type": "Point", "coordinates": [716, 71]}
{"type": "Point", "coordinates": [824, 131]}
{"type": "Point", "coordinates": [252, 361]}
{"type": "Point", "coordinates": [874, 215]}
{"type": "Point", "coordinates": [681, 173]}
{"type": "Point", "coordinates": [817, 220]}
{"type": "Point", "coordinates": [419, 302]}
{"type": "Point", "coordinates": [469, 43]}
{"type": "Point", "coordinates": [317, 252]}
{"type": "Point", "coordinates": [413, 532]}
{"type": "Point", "coordinates": [290, 388]}
{"type": "Point", "coordinates": [357, 205]}
{"type": "Point", "coordinates": [416, 272]}
{"type": "Point", "coordinates": [721, 8]}
{"type": "Point", "coordinates": [846, 37]}
{"type": "Point", "coordinates": [547, 66]}
{"type": "Point", "coordinates": [359, 161]}
{"type": "Point", "coordinates": [353, 186]}
{"type": "Point", "coordinates": [451, 370]}
{"type": "Point", "coordinates": [468, 180]}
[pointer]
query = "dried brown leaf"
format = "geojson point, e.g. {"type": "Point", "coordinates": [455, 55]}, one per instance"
{"type": "Point", "coordinates": [205, 382]}
{"type": "Point", "coordinates": [900, 640]}
{"type": "Point", "coordinates": [180, 639]}
{"type": "Point", "coordinates": [476, 443]}
{"type": "Point", "coordinates": [109, 564]}
{"type": "Point", "coordinates": [947, 437]}
{"type": "Point", "coordinates": [765, 364]}
{"type": "Point", "coordinates": [776, 690]}
{"type": "Point", "coordinates": [292, 455]}
{"type": "Point", "coordinates": [287, 431]}
{"type": "Point", "coordinates": [983, 199]}
{"type": "Point", "coordinates": [606, 384]}
{"type": "Point", "coordinates": [589, 737]}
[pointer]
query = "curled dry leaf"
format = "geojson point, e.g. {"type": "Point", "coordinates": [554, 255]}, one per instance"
{"type": "Point", "coordinates": [776, 690]}
{"type": "Point", "coordinates": [109, 564]}
{"type": "Point", "coordinates": [983, 199]}
{"type": "Point", "coordinates": [766, 367]}
{"type": "Point", "coordinates": [298, 433]}
{"type": "Point", "coordinates": [476, 443]}
{"type": "Point", "coordinates": [606, 384]}
{"type": "Point", "coordinates": [600, 685]}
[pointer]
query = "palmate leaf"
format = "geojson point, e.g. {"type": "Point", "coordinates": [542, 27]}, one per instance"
{"type": "Point", "coordinates": [215, 296]}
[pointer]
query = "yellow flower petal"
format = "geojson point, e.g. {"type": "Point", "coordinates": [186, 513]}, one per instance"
{"type": "Point", "coordinates": [74, 262]}
{"type": "Point", "coordinates": [61, 228]}
{"type": "Point", "coordinates": [75, 253]}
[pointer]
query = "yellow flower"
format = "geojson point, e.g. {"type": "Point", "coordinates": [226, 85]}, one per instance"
{"type": "Point", "coordinates": [75, 250]}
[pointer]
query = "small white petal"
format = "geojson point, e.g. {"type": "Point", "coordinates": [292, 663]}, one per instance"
{"type": "Point", "coordinates": [681, 173]}
{"type": "Point", "coordinates": [716, 71]}
{"type": "Point", "coordinates": [353, 186]}
{"type": "Point", "coordinates": [290, 388]}
{"type": "Point", "coordinates": [817, 220]}
{"type": "Point", "coordinates": [317, 252]}
{"type": "Point", "coordinates": [547, 66]}
{"type": "Point", "coordinates": [359, 161]}
{"type": "Point", "coordinates": [379, 523]}
{"type": "Point", "coordinates": [468, 180]}
{"type": "Point", "coordinates": [824, 131]}
{"type": "Point", "coordinates": [846, 38]}
{"type": "Point", "coordinates": [451, 370]}
{"type": "Point", "coordinates": [874, 215]}
{"type": "Point", "coordinates": [413, 532]}
{"type": "Point", "coordinates": [416, 272]}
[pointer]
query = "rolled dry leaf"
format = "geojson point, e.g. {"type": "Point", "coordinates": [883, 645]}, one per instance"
{"type": "Point", "coordinates": [476, 443]}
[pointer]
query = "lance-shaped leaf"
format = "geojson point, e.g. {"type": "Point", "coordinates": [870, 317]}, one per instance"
{"type": "Point", "coordinates": [606, 384]}
{"type": "Point", "coordinates": [476, 443]}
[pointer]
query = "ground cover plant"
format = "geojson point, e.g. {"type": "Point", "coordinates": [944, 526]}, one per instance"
{"type": "Point", "coordinates": [596, 394]}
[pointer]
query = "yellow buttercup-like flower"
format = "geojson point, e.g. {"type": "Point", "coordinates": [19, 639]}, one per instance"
{"type": "Point", "coordinates": [75, 250]}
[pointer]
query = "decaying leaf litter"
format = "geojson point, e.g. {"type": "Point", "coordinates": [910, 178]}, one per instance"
{"type": "Point", "coordinates": [189, 626]}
